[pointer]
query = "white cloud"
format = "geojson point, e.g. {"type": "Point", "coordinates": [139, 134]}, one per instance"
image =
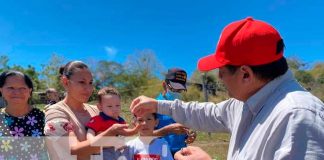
{"type": "Point", "coordinates": [111, 51]}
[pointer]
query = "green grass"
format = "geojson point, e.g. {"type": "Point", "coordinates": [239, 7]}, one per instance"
{"type": "Point", "coordinates": [215, 144]}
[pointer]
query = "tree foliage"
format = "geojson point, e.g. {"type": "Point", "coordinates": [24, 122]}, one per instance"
{"type": "Point", "coordinates": [141, 75]}
{"type": "Point", "coordinates": [50, 72]}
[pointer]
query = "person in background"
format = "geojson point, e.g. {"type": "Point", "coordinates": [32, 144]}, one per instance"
{"type": "Point", "coordinates": [269, 114]}
{"type": "Point", "coordinates": [52, 97]}
{"type": "Point", "coordinates": [173, 85]}
{"type": "Point", "coordinates": [21, 124]}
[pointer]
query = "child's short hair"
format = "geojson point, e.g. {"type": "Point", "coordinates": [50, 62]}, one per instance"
{"type": "Point", "coordinates": [107, 91]}
{"type": "Point", "coordinates": [154, 115]}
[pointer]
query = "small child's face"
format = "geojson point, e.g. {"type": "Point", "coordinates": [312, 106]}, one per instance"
{"type": "Point", "coordinates": [110, 105]}
{"type": "Point", "coordinates": [53, 96]}
{"type": "Point", "coordinates": [147, 124]}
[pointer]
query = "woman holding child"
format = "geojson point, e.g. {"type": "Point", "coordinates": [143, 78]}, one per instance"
{"type": "Point", "coordinates": [70, 116]}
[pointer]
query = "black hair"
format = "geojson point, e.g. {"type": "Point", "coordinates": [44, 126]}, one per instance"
{"type": "Point", "coordinates": [69, 69]}
{"type": "Point", "coordinates": [4, 75]}
{"type": "Point", "coordinates": [267, 71]}
{"type": "Point", "coordinates": [154, 115]}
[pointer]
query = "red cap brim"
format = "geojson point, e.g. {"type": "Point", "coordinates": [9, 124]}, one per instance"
{"type": "Point", "coordinates": [208, 63]}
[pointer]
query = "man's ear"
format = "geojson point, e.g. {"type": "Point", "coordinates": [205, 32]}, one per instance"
{"type": "Point", "coordinates": [246, 73]}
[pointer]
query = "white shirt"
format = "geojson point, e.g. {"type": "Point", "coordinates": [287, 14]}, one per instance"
{"type": "Point", "coordinates": [280, 121]}
{"type": "Point", "coordinates": [154, 149]}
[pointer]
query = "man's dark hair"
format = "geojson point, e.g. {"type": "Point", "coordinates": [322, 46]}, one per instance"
{"type": "Point", "coordinates": [267, 71]}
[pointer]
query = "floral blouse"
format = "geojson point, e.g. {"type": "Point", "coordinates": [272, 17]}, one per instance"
{"type": "Point", "coordinates": [22, 137]}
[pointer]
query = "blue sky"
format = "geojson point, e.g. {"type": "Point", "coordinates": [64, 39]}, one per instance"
{"type": "Point", "coordinates": [178, 31]}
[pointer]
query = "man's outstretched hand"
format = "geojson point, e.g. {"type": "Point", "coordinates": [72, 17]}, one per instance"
{"type": "Point", "coordinates": [191, 153]}
{"type": "Point", "coordinates": [143, 105]}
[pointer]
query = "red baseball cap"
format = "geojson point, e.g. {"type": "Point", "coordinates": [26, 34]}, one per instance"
{"type": "Point", "coordinates": [244, 42]}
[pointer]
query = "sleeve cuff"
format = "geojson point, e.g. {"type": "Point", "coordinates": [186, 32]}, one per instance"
{"type": "Point", "coordinates": [164, 107]}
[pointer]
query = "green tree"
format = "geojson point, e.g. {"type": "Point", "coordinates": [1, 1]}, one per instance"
{"type": "Point", "coordinates": [143, 62]}
{"type": "Point", "coordinates": [32, 73]}
{"type": "Point", "coordinates": [4, 63]}
{"type": "Point", "coordinates": [304, 77]}
{"type": "Point", "coordinates": [140, 71]}
{"type": "Point", "coordinates": [106, 73]}
{"type": "Point", "coordinates": [295, 64]}
{"type": "Point", "coordinates": [50, 72]}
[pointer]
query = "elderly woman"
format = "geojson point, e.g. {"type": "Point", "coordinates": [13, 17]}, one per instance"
{"type": "Point", "coordinates": [21, 124]}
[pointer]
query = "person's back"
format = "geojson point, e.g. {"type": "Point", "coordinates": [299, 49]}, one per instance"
{"type": "Point", "coordinates": [281, 107]}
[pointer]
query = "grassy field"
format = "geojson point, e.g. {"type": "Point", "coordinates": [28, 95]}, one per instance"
{"type": "Point", "coordinates": [215, 144]}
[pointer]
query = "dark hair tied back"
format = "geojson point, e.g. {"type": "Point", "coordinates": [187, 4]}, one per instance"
{"type": "Point", "coordinates": [69, 69]}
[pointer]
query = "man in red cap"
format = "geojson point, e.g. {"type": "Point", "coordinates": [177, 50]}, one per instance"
{"type": "Point", "coordinates": [270, 116]}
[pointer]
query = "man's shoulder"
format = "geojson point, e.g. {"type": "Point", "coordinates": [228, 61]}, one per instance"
{"type": "Point", "coordinates": [302, 100]}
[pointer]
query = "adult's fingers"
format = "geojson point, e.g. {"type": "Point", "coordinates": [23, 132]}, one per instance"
{"type": "Point", "coordinates": [182, 154]}
{"type": "Point", "coordinates": [191, 137]}
{"type": "Point", "coordinates": [115, 129]}
{"type": "Point", "coordinates": [142, 105]}
{"type": "Point", "coordinates": [120, 126]}
{"type": "Point", "coordinates": [179, 156]}
{"type": "Point", "coordinates": [179, 128]}
{"type": "Point", "coordinates": [134, 103]}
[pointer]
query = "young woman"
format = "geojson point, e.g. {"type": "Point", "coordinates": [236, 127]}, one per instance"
{"type": "Point", "coordinates": [21, 125]}
{"type": "Point", "coordinates": [70, 116]}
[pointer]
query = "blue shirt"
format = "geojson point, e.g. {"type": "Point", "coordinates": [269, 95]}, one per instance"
{"type": "Point", "coordinates": [175, 141]}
